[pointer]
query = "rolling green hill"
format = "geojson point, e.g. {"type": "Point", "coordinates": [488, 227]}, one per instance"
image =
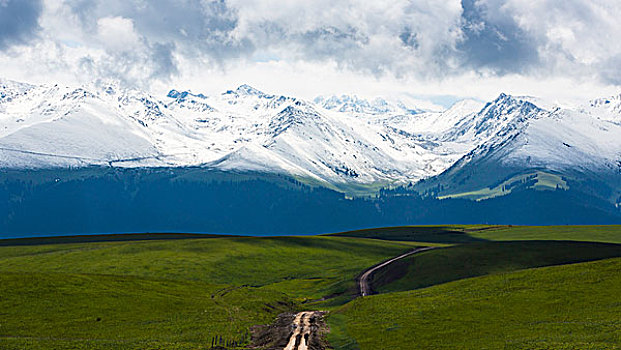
{"type": "Point", "coordinates": [80, 311]}
{"type": "Point", "coordinates": [186, 292]}
{"type": "Point", "coordinates": [561, 307]}
{"type": "Point", "coordinates": [303, 267]}
{"type": "Point", "coordinates": [169, 293]}
{"type": "Point", "coordinates": [477, 233]}
{"type": "Point", "coordinates": [439, 266]}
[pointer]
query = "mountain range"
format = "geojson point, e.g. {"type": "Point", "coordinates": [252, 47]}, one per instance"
{"type": "Point", "coordinates": [474, 151]}
{"type": "Point", "coordinates": [335, 140]}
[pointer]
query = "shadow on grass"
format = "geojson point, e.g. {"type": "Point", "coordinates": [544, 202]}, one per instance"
{"type": "Point", "coordinates": [428, 234]}
{"type": "Point", "coordinates": [483, 258]}
{"type": "Point", "coordinates": [122, 237]}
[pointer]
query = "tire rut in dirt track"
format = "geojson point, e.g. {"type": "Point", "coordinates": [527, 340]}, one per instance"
{"type": "Point", "coordinates": [301, 331]}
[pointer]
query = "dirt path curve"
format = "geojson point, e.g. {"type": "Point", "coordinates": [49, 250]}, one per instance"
{"type": "Point", "coordinates": [363, 283]}
{"type": "Point", "coordinates": [305, 323]}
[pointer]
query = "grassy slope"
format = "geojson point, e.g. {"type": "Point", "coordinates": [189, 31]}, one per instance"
{"type": "Point", "coordinates": [476, 259]}
{"type": "Point", "coordinates": [117, 237]}
{"type": "Point", "coordinates": [476, 233]}
{"type": "Point", "coordinates": [604, 233]}
{"type": "Point", "coordinates": [561, 307]}
{"type": "Point", "coordinates": [304, 267]}
{"type": "Point", "coordinates": [94, 311]}
{"type": "Point", "coordinates": [149, 294]}
{"type": "Point", "coordinates": [161, 290]}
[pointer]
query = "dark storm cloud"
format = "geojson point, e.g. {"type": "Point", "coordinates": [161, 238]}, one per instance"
{"type": "Point", "coordinates": [433, 39]}
{"type": "Point", "coordinates": [326, 41]}
{"type": "Point", "coordinates": [18, 21]}
{"type": "Point", "coordinates": [190, 25]}
{"type": "Point", "coordinates": [163, 60]}
{"type": "Point", "coordinates": [493, 40]}
{"type": "Point", "coordinates": [490, 38]}
{"type": "Point", "coordinates": [409, 38]}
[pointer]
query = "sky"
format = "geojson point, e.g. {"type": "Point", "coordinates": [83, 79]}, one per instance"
{"type": "Point", "coordinates": [435, 50]}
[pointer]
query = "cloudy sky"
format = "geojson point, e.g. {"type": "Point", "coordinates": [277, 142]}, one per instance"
{"type": "Point", "coordinates": [435, 49]}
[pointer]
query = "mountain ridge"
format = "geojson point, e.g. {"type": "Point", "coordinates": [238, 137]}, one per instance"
{"type": "Point", "coordinates": [336, 141]}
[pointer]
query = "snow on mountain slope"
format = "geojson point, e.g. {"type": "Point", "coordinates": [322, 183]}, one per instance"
{"type": "Point", "coordinates": [340, 140]}
{"type": "Point", "coordinates": [56, 126]}
{"type": "Point", "coordinates": [608, 108]}
{"type": "Point", "coordinates": [11, 89]}
{"type": "Point", "coordinates": [526, 143]}
{"type": "Point", "coordinates": [354, 105]}
{"type": "Point", "coordinates": [102, 123]}
{"type": "Point", "coordinates": [435, 124]}
{"type": "Point", "coordinates": [333, 147]}
{"type": "Point", "coordinates": [531, 136]}
{"type": "Point", "coordinates": [568, 140]}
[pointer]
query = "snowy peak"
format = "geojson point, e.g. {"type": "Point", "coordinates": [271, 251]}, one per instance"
{"type": "Point", "coordinates": [612, 103]}
{"type": "Point", "coordinates": [338, 140]}
{"type": "Point", "coordinates": [354, 104]}
{"type": "Point", "coordinates": [79, 94]}
{"type": "Point", "coordinates": [494, 122]}
{"type": "Point", "coordinates": [522, 135]}
{"type": "Point", "coordinates": [607, 108]}
{"type": "Point", "coordinates": [247, 90]}
{"type": "Point", "coordinates": [189, 100]}
{"type": "Point", "coordinates": [506, 104]}
{"type": "Point", "coordinates": [291, 115]}
{"type": "Point", "coordinates": [183, 96]}
{"type": "Point", "coordinates": [504, 111]}
{"type": "Point", "coordinates": [11, 89]}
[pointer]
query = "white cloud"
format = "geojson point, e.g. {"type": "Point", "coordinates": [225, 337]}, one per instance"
{"type": "Point", "coordinates": [117, 34]}
{"type": "Point", "coordinates": [374, 36]}
{"type": "Point", "coordinates": [440, 47]}
{"type": "Point", "coordinates": [576, 38]}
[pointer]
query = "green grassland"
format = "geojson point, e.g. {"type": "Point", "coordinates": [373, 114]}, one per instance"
{"type": "Point", "coordinates": [573, 306]}
{"type": "Point", "coordinates": [67, 311]}
{"type": "Point", "coordinates": [476, 233]}
{"type": "Point", "coordinates": [482, 258]}
{"type": "Point", "coordinates": [302, 267]}
{"type": "Point", "coordinates": [169, 293]}
{"type": "Point", "coordinates": [179, 292]}
{"type": "Point", "coordinates": [603, 233]}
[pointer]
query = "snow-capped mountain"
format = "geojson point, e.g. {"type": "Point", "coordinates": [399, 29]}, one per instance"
{"type": "Point", "coordinates": [526, 144]}
{"type": "Point", "coordinates": [608, 108]}
{"type": "Point", "coordinates": [340, 141]}
{"type": "Point", "coordinates": [103, 124]}
{"type": "Point", "coordinates": [559, 140]}
{"type": "Point", "coordinates": [354, 105]}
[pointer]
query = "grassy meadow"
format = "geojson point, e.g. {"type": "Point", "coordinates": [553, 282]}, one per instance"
{"type": "Point", "coordinates": [476, 233]}
{"type": "Point", "coordinates": [487, 287]}
{"type": "Point", "coordinates": [67, 311]}
{"type": "Point", "coordinates": [572, 306]}
{"type": "Point", "coordinates": [456, 262]}
{"type": "Point", "coordinates": [167, 293]}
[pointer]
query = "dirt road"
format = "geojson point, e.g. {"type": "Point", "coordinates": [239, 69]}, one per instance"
{"type": "Point", "coordinates": [302, 331]}
{"type": "Point", "coordinates": [363, 283]}
{"type": "Point", "coordinates": [304, 328]}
